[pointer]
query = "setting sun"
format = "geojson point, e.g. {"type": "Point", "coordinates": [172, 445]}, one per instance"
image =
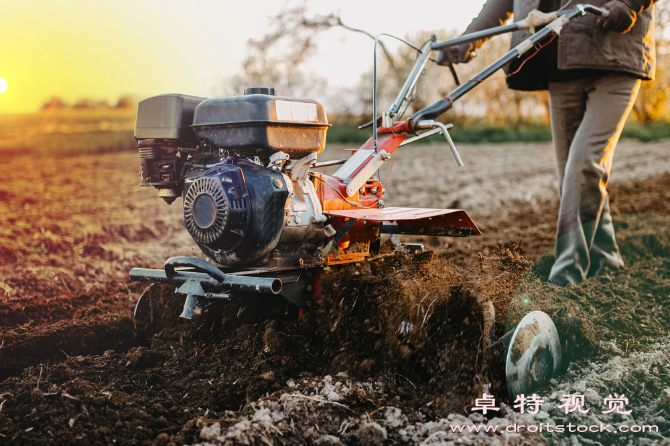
{"type": "Point", "coordinates": [3, 85]}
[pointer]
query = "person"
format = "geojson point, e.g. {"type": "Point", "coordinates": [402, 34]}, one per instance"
{"type": "Point", "coordinates": [593, 71]}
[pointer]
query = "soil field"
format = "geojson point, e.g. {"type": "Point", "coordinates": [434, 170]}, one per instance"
{"type": "Point", "coordinates": [75, 368]}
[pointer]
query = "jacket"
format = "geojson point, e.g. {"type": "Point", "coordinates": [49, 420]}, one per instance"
{"type": "Point", "coordinates": [582, 45]}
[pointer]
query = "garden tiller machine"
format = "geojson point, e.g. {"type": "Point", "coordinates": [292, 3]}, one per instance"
{"type": "Point", "coordinates": [246, 169]}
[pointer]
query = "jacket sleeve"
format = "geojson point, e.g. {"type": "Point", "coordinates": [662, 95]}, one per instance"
{"type": "Point", "coordinates": [494, 13]}
{"type": "Point", "coordinates": [636, 5]}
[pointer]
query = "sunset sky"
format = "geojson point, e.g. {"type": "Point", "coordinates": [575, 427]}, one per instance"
{"type": "Point", "coordinates": [101, 50]}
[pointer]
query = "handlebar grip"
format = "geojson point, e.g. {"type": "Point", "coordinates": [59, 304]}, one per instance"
{"type": "Point", "coordinates": [604, 13]}
{"type": "Point", "coordinates": [600, 12]}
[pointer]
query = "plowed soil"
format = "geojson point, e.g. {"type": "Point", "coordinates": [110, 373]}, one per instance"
{"type": "Point", "coordinates": [75, 367]}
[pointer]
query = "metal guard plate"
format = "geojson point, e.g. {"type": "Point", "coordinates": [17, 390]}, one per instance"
{"type": "Point", "coordinates": [414, 217]}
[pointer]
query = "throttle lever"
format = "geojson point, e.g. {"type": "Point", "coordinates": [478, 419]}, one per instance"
{"type": "Point", "coordinates": [430, 124]}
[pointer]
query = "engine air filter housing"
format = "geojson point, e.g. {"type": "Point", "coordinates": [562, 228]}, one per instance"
{"type": "Point", "coordinates": [162, 126]}
{"type": "Point", "coordinates": [167, 116]}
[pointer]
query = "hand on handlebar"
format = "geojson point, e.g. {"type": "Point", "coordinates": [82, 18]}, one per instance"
{"type": "Point", "coordinates": [462, 53]}
{"type": "Point", "coordinates": [621, 17]}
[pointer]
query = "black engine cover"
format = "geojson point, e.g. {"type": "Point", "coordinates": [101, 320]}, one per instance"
{"type": "Point", "coordinates": [235, 211]}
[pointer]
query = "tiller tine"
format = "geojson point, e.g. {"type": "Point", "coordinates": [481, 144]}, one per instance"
{"type": "Point", "coordinates": [534, 355]}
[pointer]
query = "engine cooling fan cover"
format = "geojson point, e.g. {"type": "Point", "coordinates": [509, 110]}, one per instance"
{"type": "Point", "coordinates": [206, 210]}
{"type": "Point", "coordinates": [234, 210]}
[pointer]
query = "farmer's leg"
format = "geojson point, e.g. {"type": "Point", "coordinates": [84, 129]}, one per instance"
{"type": "Point", "coordinates": [567, 104]}
{"type": "Point", "coordinates": [604, 251]}
{"type": "Point", "coordinates": [609, 99]}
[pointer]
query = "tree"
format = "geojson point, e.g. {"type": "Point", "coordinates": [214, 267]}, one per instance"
{"type": "Point", "coordinates": [54, 103]}
{"type": "Point", "coordinates": [126, 102]}
{"type": "Point", "coordinates": [84, 104]}
{"type": "Point", "coordinates": [652, 101]}
{"type": "Point", "coordinates": [280, 59]}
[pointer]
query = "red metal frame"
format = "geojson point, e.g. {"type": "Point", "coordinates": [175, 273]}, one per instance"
{"type": "Point", "coordinates": [363, 206]}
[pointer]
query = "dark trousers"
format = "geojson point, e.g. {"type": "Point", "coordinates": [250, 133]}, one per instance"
{"type": "Point", "coordinates": [587, 116]}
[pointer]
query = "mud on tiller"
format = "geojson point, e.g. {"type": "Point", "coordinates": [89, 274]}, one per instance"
{"type": "Point", "coordinates": [245, 168]}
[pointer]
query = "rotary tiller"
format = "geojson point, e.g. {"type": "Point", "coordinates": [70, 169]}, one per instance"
{"type": "Point", "coordinates": [246, 169]}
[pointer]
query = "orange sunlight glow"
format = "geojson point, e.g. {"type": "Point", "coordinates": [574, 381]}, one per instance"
{"type": "Point", "coordinates": [99, 51]}
{"type": "Point", "coordinates": [3, 85]}
{"type": "Point", "coordinates": [45, 119]}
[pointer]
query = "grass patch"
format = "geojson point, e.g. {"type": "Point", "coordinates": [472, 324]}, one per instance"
{"type": "Point", "coordinates": [68, 133]}
{"type": "Point", "coordinates": [60, 145]}
{"type": "Point", "coordinates": [487, 134]}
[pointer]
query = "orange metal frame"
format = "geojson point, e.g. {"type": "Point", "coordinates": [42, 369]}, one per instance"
{"type": "Point", "coordinates": [363, 205]}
